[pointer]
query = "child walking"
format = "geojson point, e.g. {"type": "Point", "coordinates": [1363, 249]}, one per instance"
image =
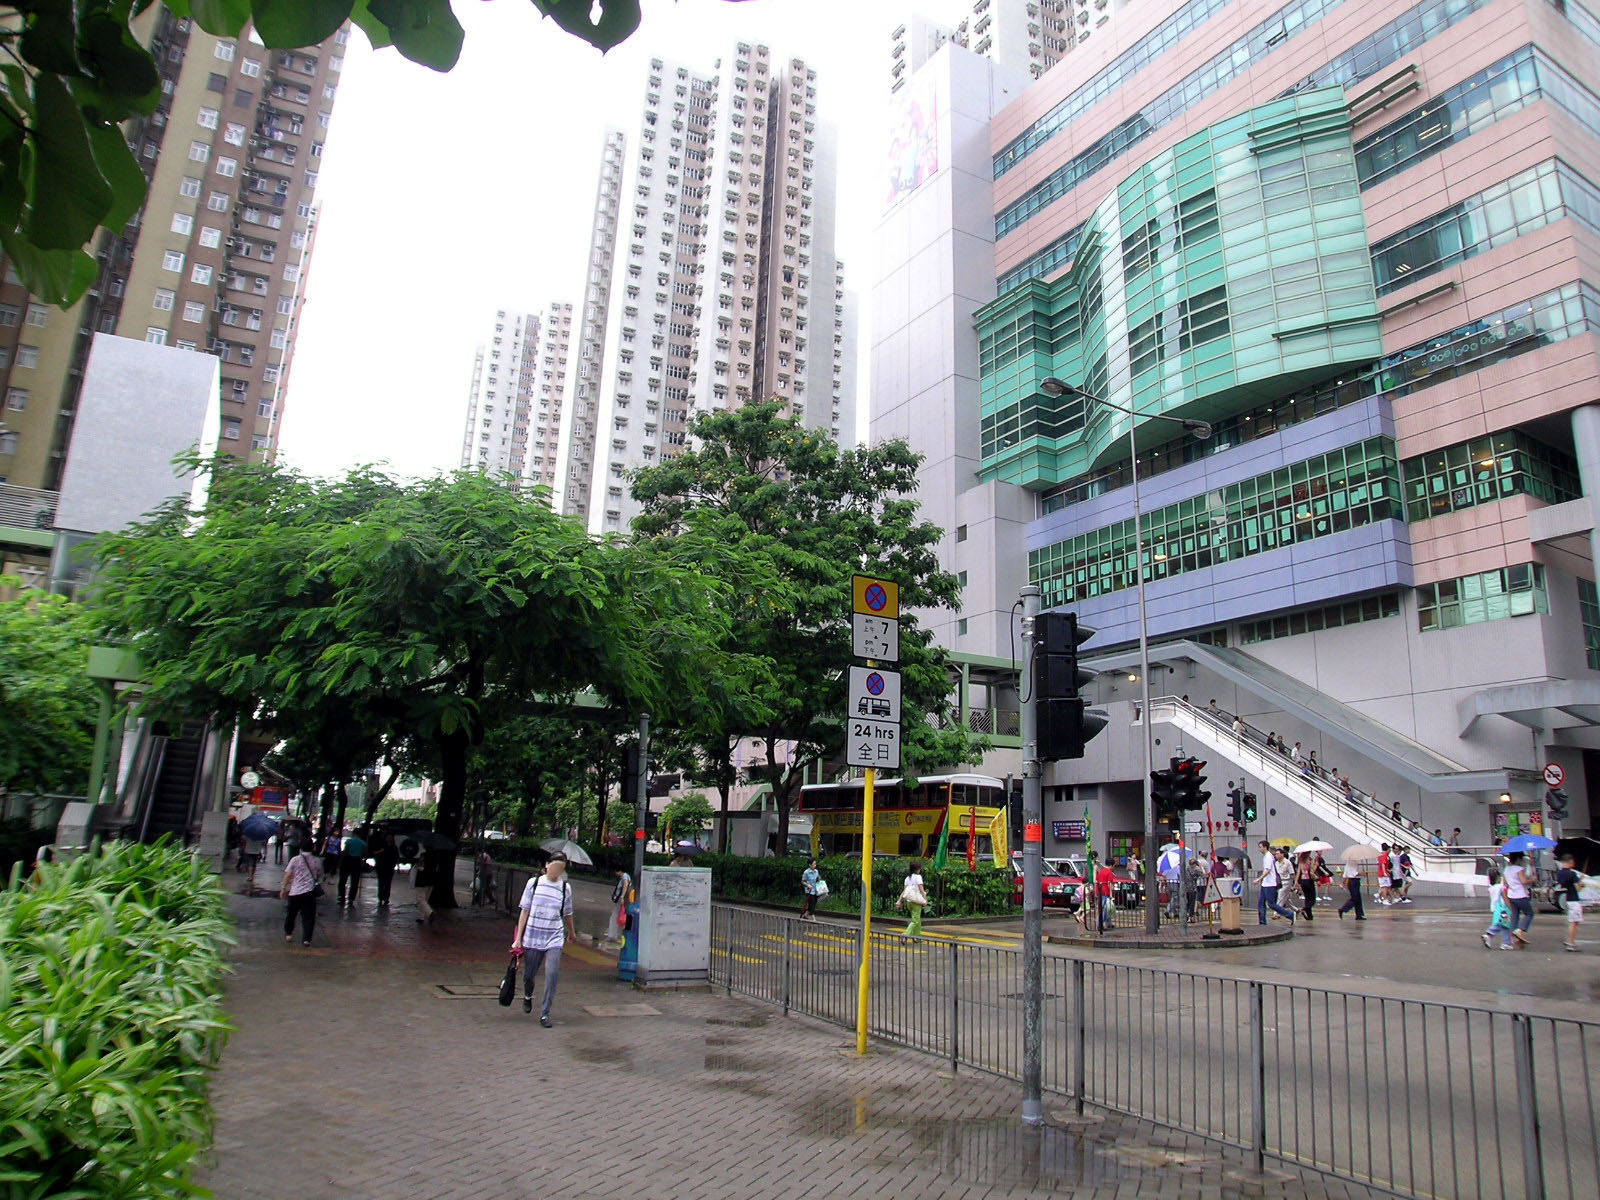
{"type": "Point", "coordinates": [1499, 914]}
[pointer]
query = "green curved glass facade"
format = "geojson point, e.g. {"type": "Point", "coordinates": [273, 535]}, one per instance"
{"type": "Point", "coordinates": [1230, 270]}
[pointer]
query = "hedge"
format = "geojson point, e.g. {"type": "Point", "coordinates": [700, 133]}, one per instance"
{"type": "Point", "coordinates": [110, 1023]}
{"type": "Point", "coordinates": [953, 891]}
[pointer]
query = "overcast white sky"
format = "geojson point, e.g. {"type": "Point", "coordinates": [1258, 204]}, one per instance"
{"type": "Point", "coordinates": [445, 197]}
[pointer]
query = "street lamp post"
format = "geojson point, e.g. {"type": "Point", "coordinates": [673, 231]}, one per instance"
{"type": "Point", "coordinates": [1200, 429]}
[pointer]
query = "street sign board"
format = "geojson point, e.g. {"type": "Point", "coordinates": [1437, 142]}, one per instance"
{"type": "Point", "coordinates": [877, 638]}
{"type": "Point", "coordinates": [1191, 826]}
{"type": "Point", "coordinates": [1554, 776]}
{"type": "Point", "coordinates": [875, 597]}
{"type": "Point", "coordinates": [874, 694]}
{"type": "Point", "coordinates": [872, 744]}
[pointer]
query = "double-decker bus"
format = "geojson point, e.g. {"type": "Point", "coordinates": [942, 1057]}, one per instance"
{"type": "Point", "coordinates": [910, 815]}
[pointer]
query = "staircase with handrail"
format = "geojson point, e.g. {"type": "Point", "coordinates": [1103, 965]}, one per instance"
{"type": "Point", "coordinates": [1357, 816]}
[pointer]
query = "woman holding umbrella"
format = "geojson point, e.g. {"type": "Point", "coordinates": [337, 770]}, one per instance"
{"type": "Point", "coordinates": [1305, 874]}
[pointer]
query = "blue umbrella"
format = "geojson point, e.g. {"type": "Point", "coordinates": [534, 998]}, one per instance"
{"type": "Point", "coordinates": [1167, 864]}
{"type": "Point", "coordinates": [259, 828]}
{"type": "Point", "coordinates": [1524, 842]}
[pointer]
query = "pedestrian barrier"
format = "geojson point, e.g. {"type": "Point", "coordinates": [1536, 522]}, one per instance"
{"type": "Point", "coordinates": [1418, 1098]}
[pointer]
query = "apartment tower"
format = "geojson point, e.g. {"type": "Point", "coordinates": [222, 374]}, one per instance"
{"type": "Point", "coordinates": [216, 262]}
{"type": "Point", "coordinates": [519, 381]}
{"type": "Point", "coordinates": [1022, 36]}
{"type": "Point", "coordinates": [712, 256]}
{"type": "Point", "coordinates": [1359, 240]}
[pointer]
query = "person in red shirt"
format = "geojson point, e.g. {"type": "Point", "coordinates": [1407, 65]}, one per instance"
{"type": "Point", "coordinates": [1104, 882]}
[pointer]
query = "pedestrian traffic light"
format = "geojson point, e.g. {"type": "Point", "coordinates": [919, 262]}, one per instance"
{"type": "Point", "coordinates": [1557, 801]}
{"type": "Point", "coordinates": [1065, 723]}
{"type": "Point", "coordinates": [1236, 806]}
{"type": "Point", "coordinates": [1249, 808]}
{"type": "Point", "coordinates": [1188, 783]}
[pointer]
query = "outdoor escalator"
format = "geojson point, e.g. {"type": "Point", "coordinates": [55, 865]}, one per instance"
{"type": "Point", "coordinates": [171, 796]}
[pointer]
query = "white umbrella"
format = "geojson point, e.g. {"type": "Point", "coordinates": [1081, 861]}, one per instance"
{"type": "Point", "coordinates": [1167, 864]}
{"type": "Point", "coordinates": [1312, 847]}
{"type": "Point", "coordinates": [574, 852]}
{"type": "Point", "coordinates": [1360, 853]}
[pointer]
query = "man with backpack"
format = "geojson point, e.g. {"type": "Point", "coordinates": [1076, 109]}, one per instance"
{"type": "Point", "coordinates": [542, 930]}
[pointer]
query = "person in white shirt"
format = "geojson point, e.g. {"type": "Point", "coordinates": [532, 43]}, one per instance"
{"type": "Point", "coordinates": [1267, 885]}
{"type": "Point", "coordinates": [542, 929]}
{"type": "Point", "coordinates": [1499, 914]}
{"type": "Point", "coordinates": [1518, 897]}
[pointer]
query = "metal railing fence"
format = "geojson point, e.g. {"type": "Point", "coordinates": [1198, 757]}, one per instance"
{"type": "Point", "coordinates": [1417, 1098]}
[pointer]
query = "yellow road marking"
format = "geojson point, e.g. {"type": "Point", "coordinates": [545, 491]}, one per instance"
{"type": "Point", "coordinates": [595, 958]}
{"type": "Point", "coordinates": [744, 958]}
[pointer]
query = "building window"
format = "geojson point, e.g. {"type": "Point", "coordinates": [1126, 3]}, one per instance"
{"type": "Point", "coordinates": [16, 399]}
{"type": "Point", "coordinates": [182, 223]}
{"type": "Point", "coordinates": [155, 335]}
{"type": "Point", "coordinates": [193, 311]}
{"type": "Point", "coordinates": [172, 260]}
{"type": "Point", "coordinates": [1353, 612]}
{"type": "Point", "coordinates": [210, 237]}
{"type": "Point", "coordinates": [250, 67]}
{"type": "Point", "coordinates": [225, 51]}
{"type": "Point", "coordinates": [9, 442]}
{"type": "Point", "coordinates": [10, 315]}
{"type": "Point", "coordinates": [164, 299]}
{"type": "Point", "coordinates": [1487, 469]}
{"type": "Point", "coordinates": [1202, 318]}
{"type": "Point", "coordinates": [280, 338]}
{"type": "Point", "coordinates": [1589, 613]}
{"type": "Point", "coordinates": [217, 202]}
{"type": "Point", "coordinates": [1320, 496]}
{"type": "Point", "coordinates": [199, 152]}
{"type": "Point", "coordinates": [190, 187]}
{"type": "Point", "coordinates": [233, 135]}
{"type": "Point", "coordinates": [227, 167]}
{"type": "Point", "coordinates": [27, 356]}
{"type": "Point", "coordinates": [39, 315]}
{"type": "Point", "coordinates": [230, 428]}
{"type": "Point", "coordinates": [1507, 592]}
{"type": "Point", "coordinates": [208, 118]}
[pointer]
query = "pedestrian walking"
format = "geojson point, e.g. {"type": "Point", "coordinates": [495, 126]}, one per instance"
{"type": "Point", "coordinates": [1306, 874]}
{"type": "Point", "coordinates": [422, 884]}
{"type": "Point", "coordinates": [352, 865]}
{"type": "Point", "coordinates": [1285, 864]}
{"type": "Point", "coordinates": [1403, 878]}
{"type": "Point", "coordinates": [1385, 880]}
{"type": "Point", "coordinates": [619, 906]}
{"type": "Point", "coordinates": [914, 895]}
{"type": "Point", "coordinates": [543, 927]}
{"type": "Point", "coordinates": [385, 861]}
{"type": "Point", "coordinates": [251, 852]}
{"type": "Point", "coordinates": [809, 879]}
{"type": "Point", "coordinates": [1518, 898]}
{"type": "Point", "coordinates": [231, 842]}
{"type": "Point", "coordinates": [1267, 887]}
{"type": "Point", "coordinates": [1352, 883]}
{"type": "Point", "coordinates": [1499, 914]}
{"type": "Point", "coordinates": [330, 854]}
{"type": "Point", "coordinates": [277, 847]}
{"type": "Point", "coordinates": [1568, 881]}
{"type": "Point", "coordinates": [302, 880]}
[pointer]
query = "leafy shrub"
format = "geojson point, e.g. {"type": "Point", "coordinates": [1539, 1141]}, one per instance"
{"type": "Point", "coordinates": [110, 1022]}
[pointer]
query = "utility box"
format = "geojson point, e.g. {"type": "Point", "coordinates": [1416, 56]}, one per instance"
{"type": "Point", "coordinates": [674, 928]}
{"type": "Point", "coordinates": [1231, 889]}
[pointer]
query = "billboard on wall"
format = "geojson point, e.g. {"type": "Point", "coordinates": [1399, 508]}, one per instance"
{"type": "Point", "coordinates": [913, 141]}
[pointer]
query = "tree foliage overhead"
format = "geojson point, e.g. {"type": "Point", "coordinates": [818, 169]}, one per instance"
{"type": "Point", "coordinates": [433, 610]}
{"type": "Point", "coordinates": [76, 69]}
{"type": "Point", "coordinates": [48, 703]}
{"type": "Point", "coordinates": [759, 481]}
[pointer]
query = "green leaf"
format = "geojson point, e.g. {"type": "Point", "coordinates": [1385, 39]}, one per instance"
{"type": "Point", "coordinates": [49, 39]}
{"type": "Point", "coordinates": [120, 75]}
{"type": "Point", "coordinates": [290, 24]}
{"type": "Point", "coordinates": [225, 18]}
{"type": "Point", "coordinates": [58, 276]}
{"type": "Point", "coordinates": [618, 19]}
{"type": "Point", "coordinates": [425, 31]}
{"type": "Point", "coordinates": [377, 32]}
{"type": "Point", "coordinates": [121, 171]}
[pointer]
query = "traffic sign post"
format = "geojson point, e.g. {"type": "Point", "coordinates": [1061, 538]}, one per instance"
{"type": "Point", "coordinates": [875, 638]}
{"type": "Point", "coordinates": [1554, 776]}
{"type": "Point", "coordinates": [874, 694]}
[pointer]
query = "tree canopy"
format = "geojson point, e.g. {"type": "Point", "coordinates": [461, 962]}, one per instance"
{"type": "Point", "coordinates": [47, 700]}
{"type": "Point", "coordinates": [76, 69]}
{"type": "Point", "coordinates": [759, 482]}
{"type": "Point", "coordinates": [434, 610]}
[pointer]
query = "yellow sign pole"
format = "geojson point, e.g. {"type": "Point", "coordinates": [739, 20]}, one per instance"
{"type": "Point", "coordinates": [864, 983]}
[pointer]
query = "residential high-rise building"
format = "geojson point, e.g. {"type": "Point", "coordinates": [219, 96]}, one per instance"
{"type": "Point", "coordinates": [712, 257]}
{"type": "Point", "coordinates": [519, 380]}
{"type": "Point", "coordinates": [1024, 36]}
{"type": "Point", "coordinates": [1358, 240]}
{"type": "Point", "coordinates": [578, 429]}
{"type": "Point", "coordinates": [215, 262]}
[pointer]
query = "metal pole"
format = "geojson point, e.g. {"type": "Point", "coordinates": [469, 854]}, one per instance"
{"type": "Point", "coordinates": [1152, 899]}
{"type": "Point", "coordinates": [864, 971]}
{"type": "Point", "coordinates": [955, 1006]}
{"type": "Point", "coordinates": [1528, 1104]}
{"type": "Point", "coordinates": [1080, 1033]}
{"type": "Point", "coordinates": [1032, 873]}
{"type": "Point", "coordinates": [643, 802]}
{"type": "Point", "coordinates": [1258, 1077]}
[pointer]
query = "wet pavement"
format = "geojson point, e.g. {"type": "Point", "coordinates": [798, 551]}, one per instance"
{"type": "Point", "coordinates": [378, 1064]}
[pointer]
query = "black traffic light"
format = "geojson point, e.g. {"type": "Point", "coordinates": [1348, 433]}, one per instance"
{"type": "Point", "coordinates": [1557, 801]}
{"type": "Point", "coordinates": [1249, 808]}
{"type": "Point", "coordinates": [630, 777]}
{"type": "Point", "coordinates": [1065, 723]}
{"type": "Point", "coordinates": [1236, 806]}
{"type": "Point", "coordinates": [1188, 783]}
{"type": "Point", "coordinates": [1161, 785]}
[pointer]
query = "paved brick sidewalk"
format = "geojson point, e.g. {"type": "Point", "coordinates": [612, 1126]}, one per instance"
{"type": "Point", "coordinates": [378, 1065]}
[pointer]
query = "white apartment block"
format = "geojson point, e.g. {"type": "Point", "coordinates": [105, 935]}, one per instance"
{"type": "Point", "coordinates": [578, 428]}
{"type": "Point", "coordinates": [723, 285]}
{"type": "Point", "coordinates": [1024, 36]}
{"type": "Point", "coordinates": [514, 408]}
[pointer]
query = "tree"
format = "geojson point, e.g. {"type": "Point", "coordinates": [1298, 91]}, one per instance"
{"type": "Point", "coordinates": [760, 482]}
{"type": "Point", "coordinates": [78, 68]}
{"type": "Point", "coordinates": [687, 816]}
{"type": "Point", "coordinates": [439, 607]}
{"type": "Point", "coordinates": [48, 703]}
